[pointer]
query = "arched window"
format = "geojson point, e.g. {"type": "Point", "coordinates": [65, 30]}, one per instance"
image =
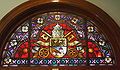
{"type": "Point", "coordinates": [57, 34]}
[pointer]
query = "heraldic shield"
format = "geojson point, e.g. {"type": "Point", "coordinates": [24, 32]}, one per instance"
{"type": "Point", "coordinates": [58, 43]}
{"type": "Point", "coordinates": [58, 47]}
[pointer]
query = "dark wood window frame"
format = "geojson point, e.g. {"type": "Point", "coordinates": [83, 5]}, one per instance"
{"type": "Point", "coordinates": [33, 7]}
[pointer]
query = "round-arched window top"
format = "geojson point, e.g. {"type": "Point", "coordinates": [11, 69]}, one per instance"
{"type": "Point", "coordinates": [63, 34]}
{"type": "Point", "coordinates": [57, 39]}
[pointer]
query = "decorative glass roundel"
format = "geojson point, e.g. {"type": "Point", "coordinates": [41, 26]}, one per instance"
{"type": "Point", "coordinates": [57, 39]}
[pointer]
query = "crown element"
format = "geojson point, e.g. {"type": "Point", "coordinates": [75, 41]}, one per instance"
{"type": "Point", "coordinates": [57, 32]}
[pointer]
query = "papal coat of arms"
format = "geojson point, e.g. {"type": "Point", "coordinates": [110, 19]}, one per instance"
{"type": "Point", "coordinates": [58, 42]}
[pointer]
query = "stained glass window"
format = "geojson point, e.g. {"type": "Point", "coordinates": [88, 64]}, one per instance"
{"type": "Point", "coordinates": [57, 39]}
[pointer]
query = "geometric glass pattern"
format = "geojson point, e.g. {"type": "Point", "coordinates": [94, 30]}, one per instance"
{"type": "Point", "coordinates": [57, 39]}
